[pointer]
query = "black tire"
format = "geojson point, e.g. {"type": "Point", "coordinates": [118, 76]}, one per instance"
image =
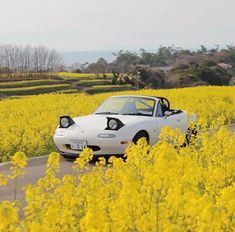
{"type": "Point", "coordinates": [139, 135]}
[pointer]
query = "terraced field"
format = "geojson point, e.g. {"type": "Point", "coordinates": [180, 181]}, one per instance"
{"type": "Point", "coordinates": [65, 83]}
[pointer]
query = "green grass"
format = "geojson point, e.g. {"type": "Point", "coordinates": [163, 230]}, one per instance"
{"type": "Point", "coordinates": [107, 88]}
{"type": "Point", "coordinates": [73, 83]}
{"type": "Point", "coordinates": [111, 86]}
{"type": "Point", "coordinates": [33, 89]}
{"type": "Point", "coordinates": [16, 84]}
{"type": "Point", "coordinates": [89, 83]}
{"type": "Point", "coordinates": [68, 91]}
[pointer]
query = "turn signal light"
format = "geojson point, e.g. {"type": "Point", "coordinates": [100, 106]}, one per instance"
{"type": "Point", "coordinates": [124, 142]}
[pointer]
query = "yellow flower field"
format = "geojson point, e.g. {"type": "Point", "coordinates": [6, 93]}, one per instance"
{"type": "Point", "coordinates": [82, 75]}
{"type": "Point", "coordinates": [27, 124]}
{"type": "Point", "coordinates": [159, 188]}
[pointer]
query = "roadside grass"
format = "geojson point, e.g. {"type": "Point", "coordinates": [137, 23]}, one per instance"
{"type": "Point", "coordinates": [33, 89]}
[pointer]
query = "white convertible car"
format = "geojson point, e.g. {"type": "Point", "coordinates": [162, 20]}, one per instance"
{"type": "Point", "coordinates": [119, 121]}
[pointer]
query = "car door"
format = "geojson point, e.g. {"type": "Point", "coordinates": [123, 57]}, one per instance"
{"type": "Point", "coordinates": [174, 121]}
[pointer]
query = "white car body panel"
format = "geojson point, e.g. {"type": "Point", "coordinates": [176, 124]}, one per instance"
{"type": "Point", "coordinates": [88, 128]}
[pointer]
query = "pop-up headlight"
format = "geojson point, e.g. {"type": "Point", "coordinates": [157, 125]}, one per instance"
{"type": "Point", "coordinates": [66, 121]}
{"type": "Point", "coordinates": [113, 124]}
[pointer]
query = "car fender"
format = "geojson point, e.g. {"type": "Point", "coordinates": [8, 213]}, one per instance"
{"type": "Point", "coordinates": [130, 130]}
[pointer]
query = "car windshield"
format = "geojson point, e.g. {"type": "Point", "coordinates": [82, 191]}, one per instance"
{"type": "Point", "coordinates": [140, 106]}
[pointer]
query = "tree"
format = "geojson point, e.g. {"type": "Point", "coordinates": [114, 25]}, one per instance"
{"type": "Point", "coordinates": [148, 77]}
{"type": "Point", "coordinates": [206, 72]}
{"type": "Point", "coordinates": [17, 60]}
{"type": "Point", "coordinates": [125, 60]}
{"type": "Point", "coordinates": [101, 66]}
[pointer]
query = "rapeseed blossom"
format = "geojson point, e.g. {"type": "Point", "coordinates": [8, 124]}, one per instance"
{"type": "Point", "coordinates": [28, 124]}
{"type": "Point", "coordinates": [19, 160]}
{"type": "Point", "coordinates": [164, 187]}
{"type": "Point", "coordinates": [156, 188]}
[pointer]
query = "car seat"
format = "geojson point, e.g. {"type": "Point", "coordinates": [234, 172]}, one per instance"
{"type": "Point", "coordinates": [129, 107]}
{"type": "Point", "coordinates": [164, 108]}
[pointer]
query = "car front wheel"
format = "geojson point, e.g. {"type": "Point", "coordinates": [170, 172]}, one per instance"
{"type": "Point", "coordinates": [139, 135]}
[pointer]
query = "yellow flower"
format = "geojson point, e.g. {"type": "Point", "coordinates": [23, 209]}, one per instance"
{"type": "Point", "coordinates": [3, 179]}
{"type": "Point", "coordinates": [101, 162]}
{"type": "Point", "coordinates": [19, 160]}
{"type": "Point", "coordinates": [85, 156]}
{"type": "Point", "coordinates": [164, 187]}
{"type": "Point", "coordinates": [8, 217]}
{"type": "Point", "coordinates": [54, 160]}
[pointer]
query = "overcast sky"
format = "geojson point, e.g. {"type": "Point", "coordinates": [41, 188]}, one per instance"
{"type": "Point", "coordinates": [73, 25]}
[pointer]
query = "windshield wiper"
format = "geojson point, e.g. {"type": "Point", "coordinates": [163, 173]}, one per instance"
{"type": "Point", "coordinates": [107, 112]}
{"type": "Point", "coordinates": [141, 114]}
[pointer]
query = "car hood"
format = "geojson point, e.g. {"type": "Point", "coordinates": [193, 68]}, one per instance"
{"type": "Point", "coordinates": [95, 122]}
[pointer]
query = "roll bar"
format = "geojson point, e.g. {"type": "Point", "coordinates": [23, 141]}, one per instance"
{"type": "Point", "coordinates": [164, 100]}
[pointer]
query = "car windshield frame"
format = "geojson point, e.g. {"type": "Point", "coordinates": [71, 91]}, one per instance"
{"type": "Point", "coordinates": [102, 111]}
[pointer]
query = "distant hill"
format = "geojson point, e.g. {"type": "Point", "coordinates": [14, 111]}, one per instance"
{"type": "Point", "coordinates": [86, 56]}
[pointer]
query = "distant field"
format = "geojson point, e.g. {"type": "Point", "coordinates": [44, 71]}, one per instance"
{"type": "Point", "coordinates": [83, 75]}
{"type": "Point", "coordinates": [68, 91]}
{"type": "Point", "coordinates": [28, 76]}
{"type": "Point", "coordinates": [89, 83]}
{"type": "Point", "coordinates": [65, 83]}
{"type": "Point", "coordinates": [17, 84]}
{"type": "Point", "coordinates": [33, 89]}
{"type": "Point", "coordinates": [107, 88]}
{"type": "Point", "coordinates": [37, 76]}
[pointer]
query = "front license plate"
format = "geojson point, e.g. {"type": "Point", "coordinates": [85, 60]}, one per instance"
{"type": "Point", "coordinates": [78, 145]}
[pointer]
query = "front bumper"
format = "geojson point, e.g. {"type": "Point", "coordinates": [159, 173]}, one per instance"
{"type": "Point", "coordinates": [100, 146]}
{"type": "Point", "coordinates": [74, 156]}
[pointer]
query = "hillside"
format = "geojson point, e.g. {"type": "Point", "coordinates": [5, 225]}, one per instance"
{"type": "Point", "coordinates": [64, 83]}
